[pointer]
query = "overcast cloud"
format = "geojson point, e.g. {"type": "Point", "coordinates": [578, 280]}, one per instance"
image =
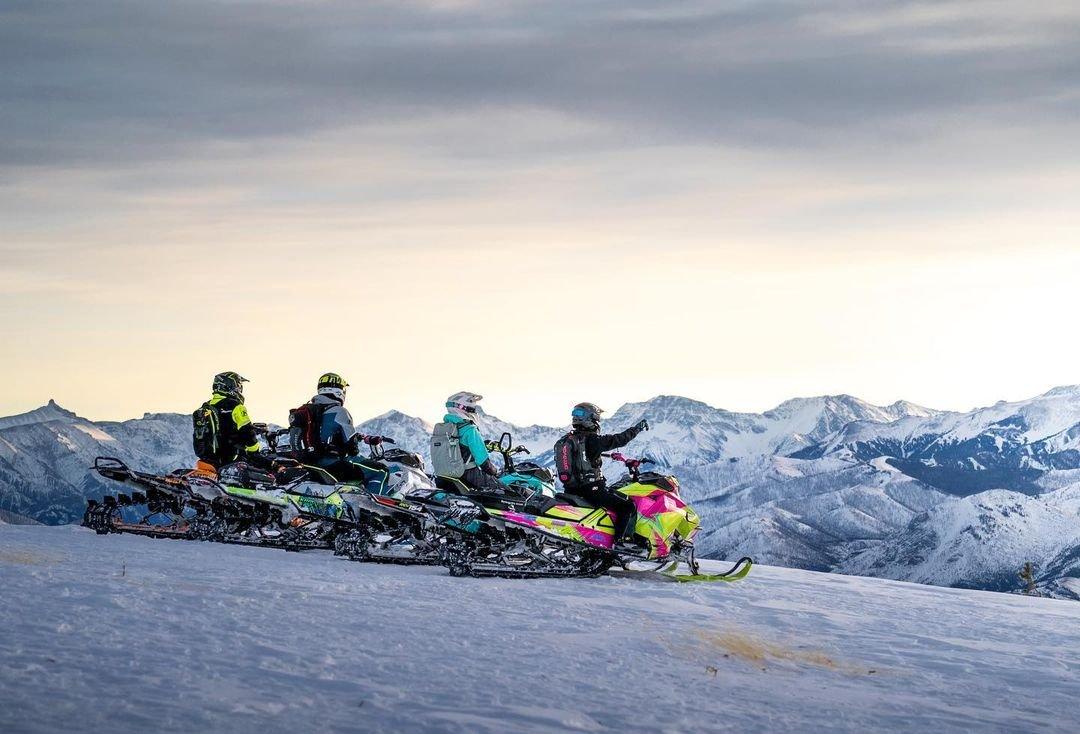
{"type": "Point", "coordinates": [101, 83]}
{"type": "Point", "coordinates": [686, 149]}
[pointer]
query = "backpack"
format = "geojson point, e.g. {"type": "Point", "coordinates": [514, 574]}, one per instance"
{"type": "Point", "coordinates": [305, 428]}
{"type": "Point", "coordinates": [206, 433]}
{"type": "Point", "coordinates": [446, 456]}
{"type": "Point", "coordinates": [571, 464]}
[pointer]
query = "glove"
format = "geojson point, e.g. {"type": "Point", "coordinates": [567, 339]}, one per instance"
{"type": "Point", "coordinates": [489, 468]}
{"type": "Point", "coordinates": [643, 425]}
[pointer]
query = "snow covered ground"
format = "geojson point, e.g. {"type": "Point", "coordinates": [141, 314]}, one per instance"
{"type": "Point", "coordinates": [128, 634]}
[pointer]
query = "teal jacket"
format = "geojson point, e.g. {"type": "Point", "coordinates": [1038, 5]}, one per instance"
{"type": "Point", "coordinates": [470, 437]}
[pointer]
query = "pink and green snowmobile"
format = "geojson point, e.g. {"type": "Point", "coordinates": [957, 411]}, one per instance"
{"type": "Point", "coordinates": [566, 536]}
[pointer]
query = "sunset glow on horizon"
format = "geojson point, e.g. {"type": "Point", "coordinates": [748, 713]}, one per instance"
{"type": "Point", "coordinates": [543, 203]}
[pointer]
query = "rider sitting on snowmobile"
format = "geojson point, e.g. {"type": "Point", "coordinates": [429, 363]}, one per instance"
{"type": "Point", "coordinates": [459, 451]}
{"type": "Point", "coordinates": [579, 463]}
{"type": "Point", "coordinates": [222, 431]}
{"type": "Point", "coordinates": [323, 430]}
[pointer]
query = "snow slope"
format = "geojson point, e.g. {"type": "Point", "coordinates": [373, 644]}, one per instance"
{"type": "Point", "coordinates": [125, 634]}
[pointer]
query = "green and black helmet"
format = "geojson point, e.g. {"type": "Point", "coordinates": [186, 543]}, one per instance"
{"type": "Point", "coordinates": [229, 384]}
{"type": "Point", "coordinates": [334, 385]}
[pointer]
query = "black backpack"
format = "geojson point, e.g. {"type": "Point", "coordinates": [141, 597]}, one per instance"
{"type": "Point", "coordinates": [571, 464]}
{"type": "Point", "coordinates": [206, 433]}
{"type": "Point", "coordinates": [305, 428]}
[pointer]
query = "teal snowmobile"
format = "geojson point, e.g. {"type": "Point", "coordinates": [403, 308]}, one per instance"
{"type": "Point", "coordinates": [410, 522]}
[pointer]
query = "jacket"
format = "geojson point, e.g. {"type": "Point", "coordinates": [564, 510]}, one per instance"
{"type": "Point", "coordinates": [472, 442]}
{"type": "Point", "coordinates": [596, 444]}
{"type": "Point", "coordinates": [237, 439]}
{"type": "Point", "coordinates": [337, 434]}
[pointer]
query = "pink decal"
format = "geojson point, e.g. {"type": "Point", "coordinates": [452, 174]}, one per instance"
{"type": "Point", "coordinates": [657, 503]}
{"type": "Point", "coordinates": [595, 537]}
{"type": "Point", "coordinates": [586, 534]}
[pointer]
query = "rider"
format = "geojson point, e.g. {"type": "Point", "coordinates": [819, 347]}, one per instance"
{"type": "Point", "coordinates": [581, 473]}
{"type": "Point", "coordinates": [222, 430]}
{"type": "Point", "coordinates": [324, 427]}
{"type": "Point", "coordinates": [471, 462]}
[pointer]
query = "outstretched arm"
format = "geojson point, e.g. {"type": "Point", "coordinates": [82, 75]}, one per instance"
{"type": "Point", "coordinates": [618, 440]}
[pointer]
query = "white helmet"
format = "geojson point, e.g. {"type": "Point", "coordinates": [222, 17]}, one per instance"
{"type": "Point", "coordinates": [464, 404]}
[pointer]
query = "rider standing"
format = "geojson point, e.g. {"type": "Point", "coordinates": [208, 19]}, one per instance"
{"type": "Point", "coordinates": [578, 457]}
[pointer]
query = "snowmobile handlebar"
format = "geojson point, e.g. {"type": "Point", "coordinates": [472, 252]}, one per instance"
{"type": "Point", "coordinates": [272, 436]}
{"type": "Point", "coordinates": [623, 459]}
{"type": "Point", "coordinates": [263, 429]}
{"type": "Point", "coordinates": [375, 444]}
{"type": "Point", "coordinates": [632, 465]}
{"type": "Point", "coordinates": [497, 447]}
{"type": "Point", "coordinates": [374, 440]}
{"type": "Point", "coordinates": [505, 446]}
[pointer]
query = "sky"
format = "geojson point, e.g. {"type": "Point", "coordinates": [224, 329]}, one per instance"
{"type": "Point", "coordinates": [543, 202]}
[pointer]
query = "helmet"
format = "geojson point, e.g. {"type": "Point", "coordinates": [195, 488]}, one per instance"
{"type": "Point", "coordinates": [586, 416]}
{"type": "Point", "coordinates": [333, 385]}
{"type": "Point", "coordinates": [463, 404]}
{"type": "Point", "coordinates": [229, 384]}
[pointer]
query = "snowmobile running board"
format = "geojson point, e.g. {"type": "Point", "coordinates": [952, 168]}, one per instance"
{"type": "Point", "coordinates": [481, 571]}
{"type": "Point", "coordinates": [739, 571]}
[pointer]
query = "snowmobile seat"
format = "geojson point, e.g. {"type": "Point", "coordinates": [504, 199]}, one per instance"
{"type": "Point", "coordinates": [287, 476]}
{"type": "Point", "coordinates": [567, 498]}
{"type": "Point", "coordinates": [452, 485]}
{"type": "Point", "coordinates": [539, 504]}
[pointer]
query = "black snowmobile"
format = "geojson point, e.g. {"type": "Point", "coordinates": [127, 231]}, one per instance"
{"type": "Point", "coordinates": [294, 507]}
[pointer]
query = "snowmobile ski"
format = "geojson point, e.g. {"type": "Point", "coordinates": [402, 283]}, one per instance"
{"type": "Point", "coordinates": [737, 572]}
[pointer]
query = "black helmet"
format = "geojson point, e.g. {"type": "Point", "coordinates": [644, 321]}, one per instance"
{"type": "Point", "coordinates": [229, 384]}
{"type": "Point", "coordinates": [586, 417]}
{"type": "Point", "coordinates": [334, 385]}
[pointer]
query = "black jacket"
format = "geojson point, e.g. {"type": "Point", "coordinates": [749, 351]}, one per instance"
{"type": "Point", "coordinates": [237, 440]}
{"type": "Point", "coordinates": [597, 444]}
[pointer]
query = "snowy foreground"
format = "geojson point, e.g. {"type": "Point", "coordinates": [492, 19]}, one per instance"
{"type": "Point", "coordinates": [128, 634]}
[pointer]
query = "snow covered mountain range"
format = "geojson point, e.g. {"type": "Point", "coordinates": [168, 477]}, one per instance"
{"type": "Point", "coordinates": [829, 483]}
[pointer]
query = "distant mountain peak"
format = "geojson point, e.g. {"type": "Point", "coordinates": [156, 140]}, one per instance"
{"type": "Point", "coordinates": [51, 411]}
{"type": "Point", "coordinates": [850, 408]}
{"type": "Point", "coordinates": [662, 405]}
{"type": "Point", "coordinates": [1063, 391]}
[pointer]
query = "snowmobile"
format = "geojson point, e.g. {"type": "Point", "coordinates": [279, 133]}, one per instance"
{"type": "Point", "coordinates": [409, 522]}
{"type": "Point", "coordinates": [526, 478]}
{"type": "Point", "coordinates": [565, 536]}
{"type": "Point", "coordinates": [295, 507]}
{"type": "Point", "coordinates": [393, 517]}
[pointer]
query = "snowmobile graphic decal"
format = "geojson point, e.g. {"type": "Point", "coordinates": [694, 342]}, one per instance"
{"type": "Point", "coordinates": [583, 525]}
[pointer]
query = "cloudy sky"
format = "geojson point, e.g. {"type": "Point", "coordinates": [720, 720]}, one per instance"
{"type": "Point", "coordinates": [543, 202]}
